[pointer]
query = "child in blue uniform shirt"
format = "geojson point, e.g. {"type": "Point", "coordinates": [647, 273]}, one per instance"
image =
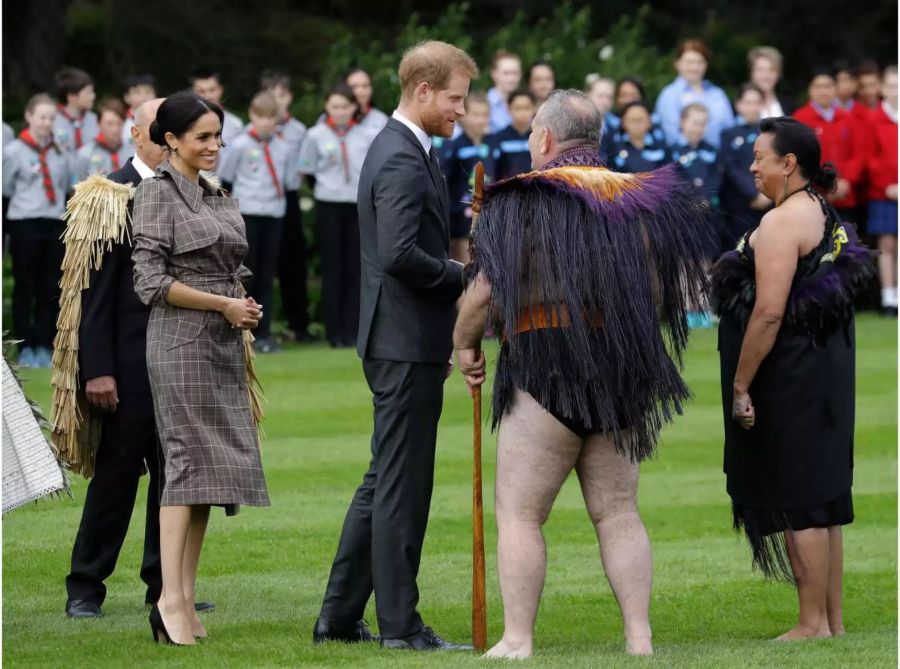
{"type": "Point", "coordinates": [742, 205]}
{"type": "Point", "coordinates": [628, 90]}
{"type": "Point", "coordinates": [458, 160]}
{"type": "Point", "coordinates": [635, 151]}
{"type": "Point", "coordinates": [254, 169]}
{"type": "Point", "coordinates": [509, 147]}
{"type": "Point", "coordinates": [698, 160]}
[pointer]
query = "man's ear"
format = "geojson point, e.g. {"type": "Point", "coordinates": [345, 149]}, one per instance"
{"type": "Point", "coordinates": [546, 140]}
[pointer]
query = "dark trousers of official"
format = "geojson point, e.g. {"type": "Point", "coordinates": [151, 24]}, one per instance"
{"type": "Point", "coordinates": [337, 238]}
{"type": "Point", "coordinates": [37, 255]}
{"type": "Point", "coordinates": [263, 242]}
{"type": "Point", "coordinates": [381, 540]}
{"type": "Point", "coordinates": [128, 439]}
{"type": "Point", "coordinates": [292, 264]}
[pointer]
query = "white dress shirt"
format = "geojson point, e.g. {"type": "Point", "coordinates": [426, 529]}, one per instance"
{"type": "Point", "coordinates": [421, 135]}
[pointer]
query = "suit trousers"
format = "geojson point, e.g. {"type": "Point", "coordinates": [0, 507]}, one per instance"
{"type": "Point", "coordinates": [292, 264]}
{"type": "Point", "coordinates": [381, 540]}
{"type": "Point", "coordinates": [263, 242]}
{"type": "Point", "coordinates": [128, 439]}
{"type": "Point", "coordinates": [337, 237]}
{"type": "Point", "coordinates": [37, 255]}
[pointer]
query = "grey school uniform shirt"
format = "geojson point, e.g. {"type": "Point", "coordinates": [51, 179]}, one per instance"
{"type": "Point", "coordinates": [321, 156]}
{"type": "Point", "coordinates": [64, 130]}
{"type": "Point", "coordinates": [232, 127]}
{"type": "Point", "coordinates": [292, 132]}
{"type": "Point", "coordinates": [93, 158]}
{"type": "Point", "coordinates": [244, 167]}
{"type": "Point", "coordinates": [23, 182]}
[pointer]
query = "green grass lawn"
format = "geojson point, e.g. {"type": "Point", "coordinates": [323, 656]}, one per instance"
{"type": "Point", "coordinates": [266, 568]}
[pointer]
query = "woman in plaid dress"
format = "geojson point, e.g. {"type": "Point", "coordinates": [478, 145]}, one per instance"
{"type": "Point", "coordinates": [189, 242]}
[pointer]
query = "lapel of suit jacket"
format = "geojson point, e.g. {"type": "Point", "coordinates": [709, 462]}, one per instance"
{"type": "Point", "coordinates": [434, 170]}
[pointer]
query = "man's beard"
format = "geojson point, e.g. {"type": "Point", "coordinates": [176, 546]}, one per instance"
{"type": "Point", "coordinates": [433, 121]}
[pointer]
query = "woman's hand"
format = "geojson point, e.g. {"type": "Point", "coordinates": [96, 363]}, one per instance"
{"type": "Point", "coordinates": [243, 312]}
{"type": "Point", "coordinates": [742, 411]}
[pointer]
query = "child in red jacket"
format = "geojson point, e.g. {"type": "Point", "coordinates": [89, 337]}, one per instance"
{"type": "Point", "coordinates": [883, 189]}
{"type": "Point", "coordinates": [843, 143]}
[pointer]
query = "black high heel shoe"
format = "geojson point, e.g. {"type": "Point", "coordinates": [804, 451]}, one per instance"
{"type": "Point", "coordinates": [157, 626]}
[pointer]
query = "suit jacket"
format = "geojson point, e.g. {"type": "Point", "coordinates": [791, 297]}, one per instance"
{"type": "Point", "coordinates": [113, 332]}
{"type": "Point", "coordinates": [409, 284]}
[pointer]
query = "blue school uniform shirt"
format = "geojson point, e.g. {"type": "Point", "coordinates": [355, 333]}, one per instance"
{"type": "Point", "coordinates": [625, 157]}
{"type": "Point", "coordinates": [458, 159]}
{"type": "Point", "coordinates": [509, 151]}
{"type": "Point", "coordinates": [500, 117]}
{"type": "Point", "coordinates": [613, 135]}
{"type": "Point", "coordinates": [738, 190]}
{"type": "Point", "coordinates": [679, 94]}
{"type": "Point", "coordinates": [701, 166]}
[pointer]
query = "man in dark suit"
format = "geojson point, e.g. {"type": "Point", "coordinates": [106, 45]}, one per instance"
{"type": "Point", "coordinates": [409, 290]}
{"type": "Point", "coordinates": [113, 370]}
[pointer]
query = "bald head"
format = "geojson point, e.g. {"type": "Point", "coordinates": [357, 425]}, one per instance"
{"type": "Point", "coordinates": [151, 153]}
{"type": "Point", "coordinates": [145, 114]}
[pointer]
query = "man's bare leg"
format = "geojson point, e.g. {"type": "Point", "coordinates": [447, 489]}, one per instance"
{"type": "Point", "coordinates": [609, 485]}
{"type": "Point", "coordinates": [835, 580]}
{"type": "Point", "coordinates": [808, 550]}
{"type": "Point", "coordinates": [535, 454]}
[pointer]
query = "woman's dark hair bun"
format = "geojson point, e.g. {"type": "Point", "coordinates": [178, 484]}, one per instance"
{"type": "Point", "coordinates": [826, 178]}
{"type": "Point", "coordinates": [157, 136]}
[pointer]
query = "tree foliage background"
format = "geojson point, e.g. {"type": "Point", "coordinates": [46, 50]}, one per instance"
{"type": "Point", "coordinates": [316, 40]}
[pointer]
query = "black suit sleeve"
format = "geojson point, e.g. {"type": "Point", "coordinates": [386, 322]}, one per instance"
{"type": "Point", "coordinates": [399, 193]}
{"type": "Point", "coordinates": [97, 333]}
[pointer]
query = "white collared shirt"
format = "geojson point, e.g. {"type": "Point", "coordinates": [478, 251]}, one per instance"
{"type": "Point", "coordinates": [420, 134]}
{"type": "Point", "coordinates": [142, 168]}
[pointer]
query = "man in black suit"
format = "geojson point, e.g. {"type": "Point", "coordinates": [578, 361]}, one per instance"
{"type": "Point", "coordinates": [409, 290]}
{"type": "Point", "coordinates": [113, 369]}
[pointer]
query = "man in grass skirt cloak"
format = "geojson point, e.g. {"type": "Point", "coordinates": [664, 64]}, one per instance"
{"type": "Point", "coordinates": [587, 276]}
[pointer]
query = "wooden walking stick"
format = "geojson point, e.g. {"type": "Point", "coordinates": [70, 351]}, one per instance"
{"type": "Point", "coordinates": [479, 603]}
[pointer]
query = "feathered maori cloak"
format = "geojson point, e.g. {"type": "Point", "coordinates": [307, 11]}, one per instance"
{"type": "Point", "coordinates": [616, 260]}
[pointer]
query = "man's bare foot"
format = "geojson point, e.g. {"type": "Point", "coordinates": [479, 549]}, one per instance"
{"type": "Point", "coordinates": [502, 651]}
{"type": "Point", "coordinates": [805, 632]}
{"type": "Point", "coordinates": [639, 646]}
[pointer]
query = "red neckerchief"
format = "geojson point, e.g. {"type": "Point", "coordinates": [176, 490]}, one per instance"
{"type": "Point", "coordinates": [341, 134]}
{"type": "Point", "coordinates": [76, 123]}
{"type": "Point", "coordinates": [100, 140]}
{"type": "Point", "coordinates": [30, 141]}
{"type": "Point", "coordinates": [269, 163]}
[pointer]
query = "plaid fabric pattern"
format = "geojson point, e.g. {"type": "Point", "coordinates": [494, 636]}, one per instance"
{"type": "Point", "coordinates": [195, 359]}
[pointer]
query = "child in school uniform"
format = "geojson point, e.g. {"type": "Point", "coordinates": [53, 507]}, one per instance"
{"type": "Point", "coordinates": [741, 204]}
{"type": "Point", "coordinates": [458, 161]}
{"type": "Point", "coordinates": [206, 83]}
{"type": "Point", "coordinates": [509, 147]}
{"type": "Point", "coordinates": [841, 139]}
{"type": "Point", "coordinates": [627, 90]}
{"type": "Point", "coordinates": [105, 153]}
{"type": "Point", "coordinates": [506, 73]}
{"type": "Point", "coordinates": [292, 257]}
{"type": "Point", "coordinates": [634, 150]}
{"type": "Point", "coordinates": [360, 83]}
{"type": "Point", "coordinates": [75, 124]}
{"type": "Point", "coordinates": [139, 88]}
{"type": "Point", "coordinates": [883, 189]}
{"type": "Point", "coordinates": [254, 171]}
{"type": "Point", "coordinates": [333, 153]}
{"type": "Point", "coordinates": [36, 176]}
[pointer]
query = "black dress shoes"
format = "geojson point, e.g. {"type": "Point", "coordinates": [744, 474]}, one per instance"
{"type": "Point", "coordinates": [80, 608]}
{"type": "Point", "coordinates": [201, 607]}
{"type": "Point", "coordinates": [330, 630]}
{"type": "Point", "coordinates": [424, 640]}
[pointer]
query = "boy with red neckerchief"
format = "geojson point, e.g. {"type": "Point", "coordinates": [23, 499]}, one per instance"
{"type": "Point", "coordinates": [254, 169]}
{"type": "Point", "coordinates": [75, 124]}
{"type": "Point", "coordinates": [139, 88]}
{"type": "Point", "coordinates": [36, 176]}
{"type": "Point", "coordinates": [106, 152]}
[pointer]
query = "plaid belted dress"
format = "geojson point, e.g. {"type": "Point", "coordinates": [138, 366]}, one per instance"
{"type": "Point", "coordinates": [185, 232]}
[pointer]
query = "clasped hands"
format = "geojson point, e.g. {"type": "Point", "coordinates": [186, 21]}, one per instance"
{"type": "Point", "coordinates": [243, 312]}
